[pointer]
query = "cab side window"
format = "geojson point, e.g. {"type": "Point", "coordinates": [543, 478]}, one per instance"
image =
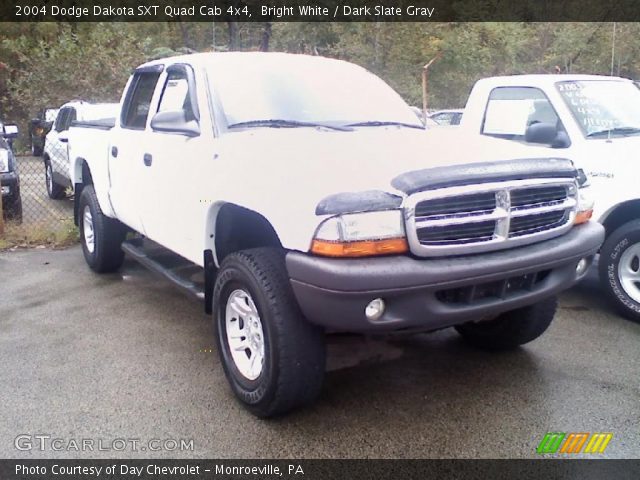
{"type": "Point", "coordinates": [176, 96]}
{"type": "Point", "coordinates": [511, 110]}
{"type": "Point", "coordinates": [61, 119]}
{"type": "Point", "coordinates": [70, 117]}
{"type": "Point", "coordinates": [138, 100]}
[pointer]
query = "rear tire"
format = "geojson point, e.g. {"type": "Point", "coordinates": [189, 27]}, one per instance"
{"type": "Point", "coordinates": [101, 236]}
{"type": "Point", "coordinates": [268, 320]}
{"type": "Point", "coordinates": [510, 329]}
{"type": "Point", "coordinates": [13, 211]}
{"type": "Point", "coordinates": [36, 151]}
{"type": "Point", "coordinates": [619, 269]}
{"type": "Point", "coordinates": [54, 190]}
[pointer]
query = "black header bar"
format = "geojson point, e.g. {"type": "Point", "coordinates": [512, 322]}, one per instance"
{"type": "Point", "coordinates": [321, 10]}
{"type": "Point", "coordinates": [318, 469]}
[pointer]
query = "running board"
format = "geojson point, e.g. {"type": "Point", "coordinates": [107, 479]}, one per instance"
{"type": "Point", "coordinates": [148, 257]}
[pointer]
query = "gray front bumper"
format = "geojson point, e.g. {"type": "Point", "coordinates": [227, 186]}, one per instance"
{"type": "Point", "coordinates": [430, 293]}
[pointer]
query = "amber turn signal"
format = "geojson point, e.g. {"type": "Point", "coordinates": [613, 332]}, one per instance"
{"type": "Point", "coordinates": [389, 246]}
{"type": "Point", "coordinates": [583, 217]}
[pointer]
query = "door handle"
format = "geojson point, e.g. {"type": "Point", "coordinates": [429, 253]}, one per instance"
{"type": "Point", "coordinates": [114, 151]}
{"type": "Point", "coordinates": [148, 159]}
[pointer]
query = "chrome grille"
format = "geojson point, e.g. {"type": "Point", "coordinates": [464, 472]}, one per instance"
{"type": "Point", "coordinates": [491, 216]}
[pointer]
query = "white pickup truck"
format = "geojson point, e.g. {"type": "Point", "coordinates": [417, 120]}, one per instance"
{"type": "Point", "coordinates": [312, 200]}
{"type": "Point", "coordinates": [594, 120]}
{"type": "Point", "coordinates": [55, 152]}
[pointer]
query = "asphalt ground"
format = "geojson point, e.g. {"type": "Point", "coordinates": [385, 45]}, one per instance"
{"type": "Point", "coordinates": [128, 356]}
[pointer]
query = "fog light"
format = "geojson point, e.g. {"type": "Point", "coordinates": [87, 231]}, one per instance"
{"type": "Point", "coordinates": [582, 266]}
{"type": "Point", "coordinates": [375, 309]}
{"type": "Point", "coordinates": [6, 190]}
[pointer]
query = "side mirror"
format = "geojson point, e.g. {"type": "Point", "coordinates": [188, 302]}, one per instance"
{"type": "Point", "coordinates": [10, 131]}
{"type": "Point", "coordinates": [175, 122]}
{"type": "Point", "coordinates": [543, 133]}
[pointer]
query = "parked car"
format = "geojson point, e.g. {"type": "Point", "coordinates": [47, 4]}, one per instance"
{"type": "Point", "coordinates": [9, 176]}
{"type": "Point", "coordinates": [56, 156]}
{"type": "Point", "coordinates": [308, 208]}
{"type": "Point", "coordinates": [39, 127]}
{"type": "Point", "coordinates": [428, 121]}
{"type": "Point", "coordinates": [592, 119]}
{"type": "Point", "coordinates": [447, 117]}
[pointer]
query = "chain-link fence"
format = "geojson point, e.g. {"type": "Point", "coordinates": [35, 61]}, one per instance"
{"type": "Point", "coordinates": [37, 198]}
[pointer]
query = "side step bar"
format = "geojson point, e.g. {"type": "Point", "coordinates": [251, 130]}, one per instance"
{"type": "Point", "coordinates": [135, 249]}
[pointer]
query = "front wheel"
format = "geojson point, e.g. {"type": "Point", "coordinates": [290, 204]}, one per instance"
{"type": "Point", "coordinates": [619, 269]}
{"type": "Point", "coordinates": [54, 190]}
{"type": "Point", "coordinates": [101, 236]}
{"type": "Point", "coordinates": [273, 358]}
{"type": "Point", "coordinates": [510, 329]}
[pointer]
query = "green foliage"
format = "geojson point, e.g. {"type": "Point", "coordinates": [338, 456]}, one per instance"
{"type": "Point", "coordinates": [47, 64]}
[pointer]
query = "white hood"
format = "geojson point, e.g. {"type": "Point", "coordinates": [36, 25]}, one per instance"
{"type": "Point", "coordinates": [285, 172]}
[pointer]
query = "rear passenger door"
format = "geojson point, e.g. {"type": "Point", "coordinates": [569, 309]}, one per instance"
{"type": "Point", "coordinates": [126, 151]}
{"type": "Point", "coordinates": [60, 154]}
{"type": "Point", "coordinates": [55, 150]}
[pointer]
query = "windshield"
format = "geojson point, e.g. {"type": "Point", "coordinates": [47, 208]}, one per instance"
{"type": "Point", "coordinates": [306, 90]}
{"type": "Point", "coordinates": [603, 107]}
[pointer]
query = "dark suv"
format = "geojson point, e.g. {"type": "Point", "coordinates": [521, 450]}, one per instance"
{"type": "Point", "coordinates": [9, 178]}
{"type": "Point", "coordinates": [39, 127]}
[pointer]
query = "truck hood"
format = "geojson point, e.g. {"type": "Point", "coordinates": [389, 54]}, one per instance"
{"type": "Point", "coordinates": [284, 174]}
{"type": "Point", "coordinates": [368, 158]}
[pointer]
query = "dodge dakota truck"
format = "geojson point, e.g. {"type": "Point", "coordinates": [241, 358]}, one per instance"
{"type": "Point", "coordinates": [311, 200]}
{"type": "Point", "coordinates": [595, 121]}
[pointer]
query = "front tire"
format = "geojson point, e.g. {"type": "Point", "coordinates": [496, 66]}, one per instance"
{"type": "Point", "coordinates": [257, 319]}
{"type": "Point", "coordinates": [619, 269]}
{"type": "Point", "coordinates": [54, 190]}
{"type": "Point", "coordinates": [510, 329]}
{"type": "Point", "coordinates": [101, 236]}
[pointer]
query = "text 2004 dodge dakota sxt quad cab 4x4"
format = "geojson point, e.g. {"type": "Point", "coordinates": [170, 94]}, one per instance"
{"type": "Point", "coordinates": [313, 201]}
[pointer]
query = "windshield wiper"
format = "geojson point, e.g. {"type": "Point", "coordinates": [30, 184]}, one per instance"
{"type": "Point", "coordinates": [615, 131]}
{"type": "Point", "coordinates": [379, 123]}
{"type": "Point", "coordinates": [278, 123]}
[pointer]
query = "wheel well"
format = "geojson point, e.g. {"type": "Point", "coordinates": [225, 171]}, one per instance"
{"type": "Point", "coordinates": [238, 228]}
{"type": "Point", "coordinates": [77, 190]}
{"type": "Point", "coordinates": [86, 174]}
{"type": "Point", "coordinates": [623, 213]}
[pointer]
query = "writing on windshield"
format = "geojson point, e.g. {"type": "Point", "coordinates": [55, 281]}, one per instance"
{"type": "Point", "coordinates": [603, 107]}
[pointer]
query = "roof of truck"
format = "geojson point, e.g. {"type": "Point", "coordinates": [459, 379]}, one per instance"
{"type": "Point", "coordinates": [545, 79]}
{"type": "Point", "coordinates": [209, 58]}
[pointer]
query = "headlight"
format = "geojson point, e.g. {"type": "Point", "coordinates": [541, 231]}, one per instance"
{"type": "Point", "coordinates": [361, 234]}
{"type": "Point", "coordinates": [4, 161]}
{"type": "Point", "coordinates": [585, 206]}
